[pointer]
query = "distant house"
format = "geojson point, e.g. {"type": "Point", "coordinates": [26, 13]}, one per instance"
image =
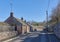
{"type": "Point", "coordinates": [20, 25]}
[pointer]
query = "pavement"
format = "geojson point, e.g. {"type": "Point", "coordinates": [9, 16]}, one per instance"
{"type": "Point", "coordinates": [11, 39]}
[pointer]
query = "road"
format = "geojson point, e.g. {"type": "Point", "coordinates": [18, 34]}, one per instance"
{"type": "Point", "coordinates": [37, 37]}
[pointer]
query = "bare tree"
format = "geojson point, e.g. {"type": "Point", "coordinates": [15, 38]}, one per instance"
{"type": "Point", "coordinates": [55, 16]}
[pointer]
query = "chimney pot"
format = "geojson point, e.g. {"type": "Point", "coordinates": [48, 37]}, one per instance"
{"type": "Point", "coordinates": [21, 18]}
{"type": "Point", "coordinates": [11, 14]}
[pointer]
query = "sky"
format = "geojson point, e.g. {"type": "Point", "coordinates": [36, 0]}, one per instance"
{"type": "Point", "coordinates": [30, 10]}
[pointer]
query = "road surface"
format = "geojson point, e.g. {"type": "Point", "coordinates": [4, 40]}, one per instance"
{"type": "Point", "coordinates": [37, 37]}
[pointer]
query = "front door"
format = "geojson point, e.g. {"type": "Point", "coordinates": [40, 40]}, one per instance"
{"type": "Point", "coordinates": [15, 28]}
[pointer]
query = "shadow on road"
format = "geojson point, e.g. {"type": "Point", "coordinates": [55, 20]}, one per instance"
{"type": "Point", "coordinates": [43, 38]}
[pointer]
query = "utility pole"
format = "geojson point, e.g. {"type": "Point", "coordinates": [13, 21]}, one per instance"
{"type": "Point", "coordinates": [47, 19]}
{"type": "Point", "coordinates": [47, 14]}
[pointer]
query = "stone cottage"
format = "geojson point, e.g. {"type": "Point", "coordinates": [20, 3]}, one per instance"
{"type": "Point", "coordinates": [20, 25]}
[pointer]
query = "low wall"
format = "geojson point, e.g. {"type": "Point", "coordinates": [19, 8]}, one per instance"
{"type": "Point", "coordinates": [7, 34]}
{"type": "Point", "coordinates": [6, 28]}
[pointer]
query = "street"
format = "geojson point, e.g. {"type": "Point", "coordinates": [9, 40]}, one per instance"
{"type": "Point", "coordinates": [37, 37]}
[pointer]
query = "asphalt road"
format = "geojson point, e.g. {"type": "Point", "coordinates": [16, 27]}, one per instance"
{"type": "Point", "coordinates": [37, 37]}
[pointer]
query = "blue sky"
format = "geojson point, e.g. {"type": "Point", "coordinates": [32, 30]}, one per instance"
{"type": "Point", "coordinates": [31, 10]}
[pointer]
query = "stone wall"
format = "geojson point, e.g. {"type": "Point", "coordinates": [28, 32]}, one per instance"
{"type": "Point", "coordinates": [7, 34]}
{"type": "Point", "coordinates": [24, 29]}
{"type": "Point", "coordinates": [57, 30]}
{"type": "Point", "coordinates": [38, 28]}
{"type": "Point", "coordinates": [6, 28]}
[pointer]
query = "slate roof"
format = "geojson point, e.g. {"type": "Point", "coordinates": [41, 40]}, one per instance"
{"type": "Point", "coordinates": [15, 20]}
{"type": "Point", "coordinates": [21, 21]}
{"type": "Point", "coordinates": [4, 24]}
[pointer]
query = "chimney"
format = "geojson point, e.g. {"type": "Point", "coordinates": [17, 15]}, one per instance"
{"type": "Point", "coordinates": [11, 14]}
{"type": "Point", "coordinates": [22, 18]}
{"type": "Point", "coordinates": [25, 21]}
